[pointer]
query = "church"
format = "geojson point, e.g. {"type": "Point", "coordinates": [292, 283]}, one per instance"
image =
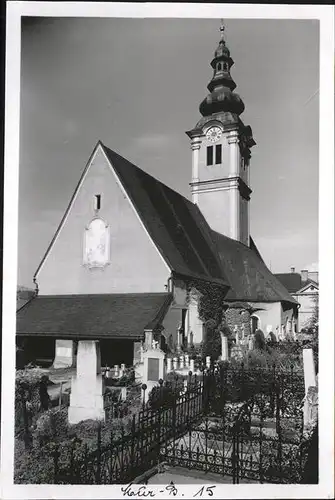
{"type": "Point", "coordinates": [121, 267]}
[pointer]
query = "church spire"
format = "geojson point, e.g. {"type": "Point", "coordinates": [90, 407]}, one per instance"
{"type": "Point", "coordinates": [222, 28]}
{"type": "Point", "coordinates": [221, 87]}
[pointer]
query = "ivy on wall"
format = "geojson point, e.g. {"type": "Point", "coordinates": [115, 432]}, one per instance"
{"type": "Point", "coordinates": [211, 312]}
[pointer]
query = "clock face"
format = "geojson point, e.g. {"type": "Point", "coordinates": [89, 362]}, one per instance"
{"type": "Point", "coordinates": [214, 134]}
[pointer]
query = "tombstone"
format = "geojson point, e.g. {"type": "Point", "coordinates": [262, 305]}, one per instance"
{"type": "Point", "coordinates": [148, 338]}
{"type": "Point", "coordinates": [155, 344]}
{"type": "Point", "coordinates": [237, 337]}
{"type": "Point", "coordinates": [208, 361]}
{"type": "Point", "coordinates": [123, 393]}
{"type": "Point", "coordinates": [153, 369]}
{"type": "Point", "coordinates": [268, 331]}
{"type": "Point", "coordinates": [277, 333]}
{"type": "Point", "coordinates": [137, 353]}
{"type": "Point", "coordinates": [181, 362]}
{"type": "Point", "coordinates": [64, 354]}
{"type": "Point", "coordinates": [192, 365]}
{"type": "Point", "coordinates": [175, 363]}
{"type": "Point", "coordinates": [169, 365]}
{"type": "Point", "coordinates": [311, 405]}
{"type": "Point", "coordinates": [251, 342]}
{"type": "Point", "coordinates": [224, 348]}
{"type": "Point", "coordinates": [86, 398]}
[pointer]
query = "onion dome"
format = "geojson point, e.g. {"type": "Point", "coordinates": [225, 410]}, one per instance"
{"type": "Point", "coordinates": [221, 87]}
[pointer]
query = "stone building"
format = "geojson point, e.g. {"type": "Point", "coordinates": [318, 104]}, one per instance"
{"type": "Point", "coordinates": [304, 287]}
{"type": "Point", "coordinates": [119, 268]}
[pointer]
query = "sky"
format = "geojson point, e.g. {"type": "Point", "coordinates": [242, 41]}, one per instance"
{"type": "Point", "coordinates": [136, 84]}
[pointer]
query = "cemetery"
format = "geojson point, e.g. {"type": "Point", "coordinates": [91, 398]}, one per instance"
{"type": "Point", "coordinates": [156, 335]}
{"type": "Point", "coordinates": [232, 415]}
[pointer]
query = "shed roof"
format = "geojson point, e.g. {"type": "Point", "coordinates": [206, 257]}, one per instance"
{"type": "Point", "coordinates": [122, 316]}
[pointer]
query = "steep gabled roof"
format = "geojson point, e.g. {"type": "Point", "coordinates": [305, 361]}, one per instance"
{"type": "Point", "coordinates": [122, 316]}
{"type": "Point", "coordinates": [291, 281]}
{"type": "Point", "coordinates": [175, 224]}
{"type": "Point", "coordinates": [185, 240]}
{"type": "Point", "coordinates": [247, 273]}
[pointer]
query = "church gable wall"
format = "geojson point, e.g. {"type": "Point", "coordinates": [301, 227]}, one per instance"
{"type": "Point", "coordinates": [135, 265]}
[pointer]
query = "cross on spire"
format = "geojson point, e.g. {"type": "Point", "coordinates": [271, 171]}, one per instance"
{"type": "Point", "coordinates": [222, 28]}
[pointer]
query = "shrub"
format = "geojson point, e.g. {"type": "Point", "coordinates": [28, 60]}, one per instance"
{"type": "Point", "coordinates": [259, 340]}
{"type": "Point", "coordinates": [163, 396]}
{"type": "Point", "coordinates": [52, 425]}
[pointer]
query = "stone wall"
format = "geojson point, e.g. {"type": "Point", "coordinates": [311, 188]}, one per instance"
{"type": "Point", "coordinates": [238, 316]}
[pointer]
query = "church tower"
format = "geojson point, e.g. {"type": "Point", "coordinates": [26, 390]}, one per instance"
{"type": "Point", "coordinates": [221, 144]}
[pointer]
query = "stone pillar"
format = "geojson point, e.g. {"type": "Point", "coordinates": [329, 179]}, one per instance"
{"type": "Point", "coordinates": [224, 348]}
{"type": "Point", "coordinates": [169, 365]}
{"type": "Point", "coordinates": [86, 398]}
{"type": "Point", "coordinates": [192, 365]}
{"type": "Point", "coordinates": [116, 371]}
{"type": "Point", "coordinates": [64, 355]}
{"type": "Point", "coordinates": [187, 360]}
{"type": "Point", "coordinates": [181, 362]}
{"type": "Point", "coordinates": [208, 361]}
{"type": "Point", "coordinates": [153, 369]}
{"type": "Point", "coordinates": [175, 363]}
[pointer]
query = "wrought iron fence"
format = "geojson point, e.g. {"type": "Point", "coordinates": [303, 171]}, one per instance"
{"type": "Point", "coordinates": [129, 454]}
{"type": "Point", "coordinates": [238, 422]}
{"type": "Point", "coordinates": [244, 443]}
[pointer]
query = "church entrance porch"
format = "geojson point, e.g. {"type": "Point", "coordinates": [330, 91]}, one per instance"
{"type": "Point", "coordinates": [116, 352]}
{"type": "Point", "coordinates": [36, 350]}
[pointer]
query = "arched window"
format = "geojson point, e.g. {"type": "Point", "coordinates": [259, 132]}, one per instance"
{"type": "Point", "coordinates": [225, 67]}
{"type": "Point", "coordinates": [219, 67]}
{"type": "Point", "coordinates": [255, 323]}
{"type": "Point", "coordinates": [96, 244]}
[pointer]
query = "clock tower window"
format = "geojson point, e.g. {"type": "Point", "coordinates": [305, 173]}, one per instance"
{"type": "Point", "coordinates": [218, 154]}
{"type": "Point", "coordinates": [209, 155]}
